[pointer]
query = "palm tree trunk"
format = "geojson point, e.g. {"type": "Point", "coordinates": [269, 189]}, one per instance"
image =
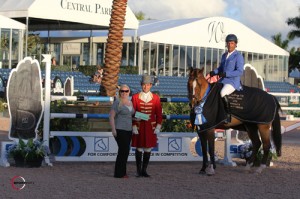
{"type": "Point", "coordinates": [113, 52]}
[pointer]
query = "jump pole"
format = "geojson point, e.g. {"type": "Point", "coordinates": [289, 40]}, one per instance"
{"type": "Point", "coordinates": [47, 115]}
{"type": "Point", "coordinates": [47, 91]}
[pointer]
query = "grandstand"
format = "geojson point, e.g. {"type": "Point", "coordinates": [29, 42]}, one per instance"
{"type": "Point", "coordinates": [280, 87]}
{"type": "Point", "coordinates": [169, 86]}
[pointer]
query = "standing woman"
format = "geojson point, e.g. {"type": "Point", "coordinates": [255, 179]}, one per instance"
{"type": "Point", "coordinates": [120, 119]}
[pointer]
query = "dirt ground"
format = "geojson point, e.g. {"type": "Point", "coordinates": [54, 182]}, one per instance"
{"type": "Point", "coordinates": [168, 179]}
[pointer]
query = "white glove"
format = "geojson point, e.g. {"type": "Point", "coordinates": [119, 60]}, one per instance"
{"type": "Point", "coordinates": [135, 130]}
{"type": "Point", "coordinates": [157, 129]}
{"type": "Point", "coordinates": [137, 119]}
{"type": "Point", "coordinates": [114, 132]}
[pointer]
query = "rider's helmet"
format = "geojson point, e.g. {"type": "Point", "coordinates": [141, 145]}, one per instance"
{"type": "Point", "coordinates": [231, 37]}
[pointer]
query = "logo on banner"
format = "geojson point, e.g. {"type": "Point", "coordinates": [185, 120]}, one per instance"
{"type": "Point", "coordinates": [18, 183]}
{"type": "Point", "coordinates": [175, 144]}
{"type": "Point", "coordinates": [101, 144]}
{"type": "Point", "coordinates": [235, 148]}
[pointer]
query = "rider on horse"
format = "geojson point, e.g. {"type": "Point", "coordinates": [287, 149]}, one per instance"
{"type": "Point", "coordinates": [231, 69]}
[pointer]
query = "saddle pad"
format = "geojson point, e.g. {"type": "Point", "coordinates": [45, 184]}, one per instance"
{"type": "Point", "coordinates": [253, 105]}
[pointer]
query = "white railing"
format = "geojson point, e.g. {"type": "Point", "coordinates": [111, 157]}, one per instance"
{"type": "Point", "coordinates": [287, 99]}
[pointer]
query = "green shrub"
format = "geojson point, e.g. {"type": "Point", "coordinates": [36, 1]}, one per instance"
{"type": "Point", "coordinates": [176, 125]}
{"type": "Point", "coordinates": [3, 105]}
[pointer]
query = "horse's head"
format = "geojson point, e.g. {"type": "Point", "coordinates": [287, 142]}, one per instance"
{"type": "Point", "coordinates": [197, 85]}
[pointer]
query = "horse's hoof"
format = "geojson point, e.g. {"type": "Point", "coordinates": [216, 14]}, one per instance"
{"type": "Point", "coordinates": [210, 170]}
{"type": "Point", "coordinates": [248, 167]}
{"type": "Point", "coordinates": [261, 168]}
{"type": "Point", "coordinates": [202, 172]}
{"type": "Point", "coordinates": [278, 153]}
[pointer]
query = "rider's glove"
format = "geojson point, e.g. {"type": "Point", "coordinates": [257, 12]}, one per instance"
{"type": "Point", "coordinates": [222, 74]}
{"type": "Point", "coordinates": [212, 73]}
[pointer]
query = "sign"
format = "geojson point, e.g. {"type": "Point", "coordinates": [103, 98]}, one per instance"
{"type": "Point", "coordinates": [71, 48]}
{"type": "Point", "coordinates": [25, 99]}
{"type": "Point", "coordinates": [103, 147]}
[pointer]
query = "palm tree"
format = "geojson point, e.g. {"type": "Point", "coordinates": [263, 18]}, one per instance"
{"type": "Point", "coordinates": [140, 15]}
{"type": "Point", "coordinates": [294, 22]}
{"type": "Point", "coordinates": [294, 33]}
{"type": "Point", "coordinates": [278, 41]}
{"type": "Point", "coordinates": [113, 51]}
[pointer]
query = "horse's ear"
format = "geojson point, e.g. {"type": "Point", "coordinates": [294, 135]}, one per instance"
{"type": "Point", "coordinates": [191, 71]}
{"type": "Point", "coordinates": [201, 70]}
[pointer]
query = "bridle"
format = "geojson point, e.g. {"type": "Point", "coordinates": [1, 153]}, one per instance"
{"type": "Point", "coordinates": [195, 100]}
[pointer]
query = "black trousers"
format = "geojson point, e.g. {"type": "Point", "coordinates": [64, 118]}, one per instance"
{"type": "Point", "coordinates": [123, 140]}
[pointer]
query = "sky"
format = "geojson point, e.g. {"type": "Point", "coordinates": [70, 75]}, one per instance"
{"type": "Point", "coordinates": [266, 17]}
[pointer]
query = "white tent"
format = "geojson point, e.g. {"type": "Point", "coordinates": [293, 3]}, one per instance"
{"type": "Point", "coordinates": [63, 14]}
{"type": "Point", "coordinates": [206, 32]}
{"type": "Point", "coordinates": [8, 23]}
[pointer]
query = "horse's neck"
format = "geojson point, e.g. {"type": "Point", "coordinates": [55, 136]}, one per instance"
{"type": "Point", "coordinates": [204, 87]}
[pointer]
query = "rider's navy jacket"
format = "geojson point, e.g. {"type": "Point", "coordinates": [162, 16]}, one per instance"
{"type": "Point", "coordinates": [233, 66]}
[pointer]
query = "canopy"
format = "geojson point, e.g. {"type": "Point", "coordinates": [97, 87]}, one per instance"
{"type": "Point", "coordinates": [8, 23]}
{"type": "Point", "coordinates": [63, 14]}
{"type": "Point", "coordinates": [208, 32]}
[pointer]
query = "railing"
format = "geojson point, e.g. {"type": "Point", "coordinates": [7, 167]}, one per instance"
{"type": "Point", "coordinates": [288, 101]}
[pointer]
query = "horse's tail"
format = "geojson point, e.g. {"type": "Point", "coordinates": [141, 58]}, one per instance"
{"type": "Point", "coordinates": [276, 132]}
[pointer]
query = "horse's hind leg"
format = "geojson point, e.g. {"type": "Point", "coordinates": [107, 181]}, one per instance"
{"type": "Point", "coordinates": [252, 131]}
{"type": "Point", "coordinates": [264, 130]}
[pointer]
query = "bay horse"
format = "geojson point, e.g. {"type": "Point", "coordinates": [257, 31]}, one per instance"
{"type": "Point", "coordinates": [208, 113]}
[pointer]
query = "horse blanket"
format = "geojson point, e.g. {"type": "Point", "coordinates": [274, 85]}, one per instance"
{"type": "Point", "coordinates": [251, 105]}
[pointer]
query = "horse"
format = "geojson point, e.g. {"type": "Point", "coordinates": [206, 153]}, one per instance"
{"type": "Point", "coordinates": [207, 114]}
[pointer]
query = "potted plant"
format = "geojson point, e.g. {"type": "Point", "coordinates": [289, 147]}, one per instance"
{"type": "Point", "coordinates": [246, 151]}
{"type": "Point", "coordinates": [28, 154]}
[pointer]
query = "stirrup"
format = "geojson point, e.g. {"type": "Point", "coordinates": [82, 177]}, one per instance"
{"type": "Point", "coordinates": [228, 119]}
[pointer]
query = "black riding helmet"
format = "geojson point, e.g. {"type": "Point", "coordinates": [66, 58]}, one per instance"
{"type": "Point", "coordinates": [231, 37]}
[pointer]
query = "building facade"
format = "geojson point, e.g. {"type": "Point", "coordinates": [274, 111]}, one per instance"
{"type": "Point", "coordinates": [11, 42]}
{"type": "Point", "coordinates": [170, 47]}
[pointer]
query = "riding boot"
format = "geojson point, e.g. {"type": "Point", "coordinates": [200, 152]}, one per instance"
{"type": "Point", "coordinates": [146, 159]}
{"type": "Point", "coordinates": [138, 160]}
{"type": "Point", "coordinates": [227, 109]}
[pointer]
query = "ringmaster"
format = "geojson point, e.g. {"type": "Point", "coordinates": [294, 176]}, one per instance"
{"type": "Point", "coordinates": [145, 128]}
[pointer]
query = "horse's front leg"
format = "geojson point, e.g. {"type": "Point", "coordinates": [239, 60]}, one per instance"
{"type": "Point", "coordinates": [203, 141]}
{"type": "Point", "coordinates": [211, 149]}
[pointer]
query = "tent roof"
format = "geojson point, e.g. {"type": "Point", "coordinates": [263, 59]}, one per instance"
{"type": "Point", "coordinates": [206, 32]}
{"type": "Point", "coordinates": [64, 14]}
{"type": "Point", "coordinates": [10, 23]}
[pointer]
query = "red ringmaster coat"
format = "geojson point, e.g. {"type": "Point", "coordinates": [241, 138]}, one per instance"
{"type": "Point", "coordinates": [146, 137]}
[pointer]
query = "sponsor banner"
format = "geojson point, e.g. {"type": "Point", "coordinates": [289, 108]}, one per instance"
{"type": "Point", "coordinates": [170, 147]}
